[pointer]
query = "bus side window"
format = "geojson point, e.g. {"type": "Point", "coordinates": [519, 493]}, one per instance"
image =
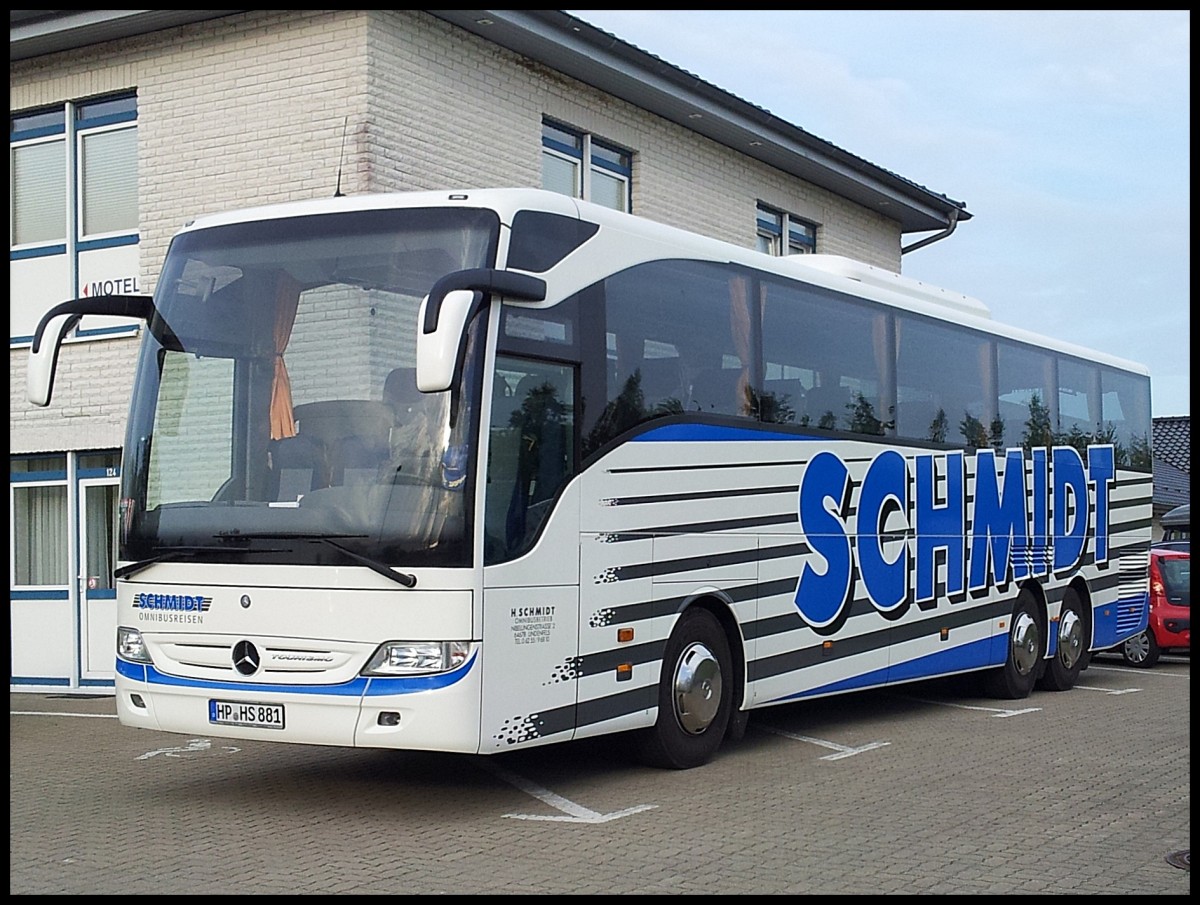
{"type": "Point", "coordinates": [531, 457]}
{"type": "Point", "coordinates": [828, 406]}
{"type": "Point", "coordinates": [663, 386]}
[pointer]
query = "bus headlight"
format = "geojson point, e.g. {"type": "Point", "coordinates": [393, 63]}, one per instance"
{"type": "Point", "coordinates": [406, 658]}
{"type": "Point", "coordinates": [130, 645]}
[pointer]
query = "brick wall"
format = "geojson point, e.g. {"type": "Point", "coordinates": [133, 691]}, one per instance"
{"type": "Point", "coordinates": [253, 109]}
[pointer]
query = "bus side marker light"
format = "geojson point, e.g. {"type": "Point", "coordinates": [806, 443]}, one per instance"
{"type": "Point", "coordinates": [624, 634]}
{"type": "Point", "coordinates": [827, 648]}
{"type": "Point", "coordinates": [624, 672]}
{"type": "Point", "coordinates": [945, 634]}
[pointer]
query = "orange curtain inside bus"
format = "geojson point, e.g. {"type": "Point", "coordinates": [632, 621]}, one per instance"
{"type": "Point", "coordinates": [740, 328]}
{"type": "Point", "coordinates": [287, 298]}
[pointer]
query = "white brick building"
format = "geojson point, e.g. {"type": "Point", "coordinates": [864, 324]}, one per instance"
{"type": "Point", "coordinates": [233, 108]}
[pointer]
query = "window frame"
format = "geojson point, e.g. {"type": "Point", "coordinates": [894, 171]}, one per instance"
{"type": "Point", "coordinates": [597, 153]}
{"type": "Point", "coordinates": [73, 123]}
{"type": "Point", "coordinates": [772, 224]}
{"type": "Point", "coordinates": [29, 129]}
{"type": "Point", "coordinates": [58, 478]}
{"type": "Point", "coordinates": [81, 184]}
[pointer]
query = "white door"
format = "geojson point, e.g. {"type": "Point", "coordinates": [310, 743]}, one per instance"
{"type": "Point", "coordinates": [97, 593]}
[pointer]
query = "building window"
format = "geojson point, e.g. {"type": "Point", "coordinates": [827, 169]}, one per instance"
{"type": "Point", "coordinates": [781, 234]}
{"type": "Point", "coordinates": [73, 216]}
{"type": "Point", "coordinates": [38, 524]}
{"type": "Point", "coordinates": [103, 134]}
{"type": "Point", "coordinates": [38, 213]}
{"type": "Point", "coordinates": [605, 180]}
{"type": "Point", "coordinates": [107, 135]}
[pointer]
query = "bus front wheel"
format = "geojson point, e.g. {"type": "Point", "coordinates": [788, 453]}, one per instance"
{"type": "Point", "coordinates": [1016, 678]}
{"type": "Point", "coordinates": [694, 695]}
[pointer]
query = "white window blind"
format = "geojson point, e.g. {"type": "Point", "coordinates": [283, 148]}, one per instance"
{"type": "Point", "coordinates": [39, 193]}
{"type": "Point", "coordinates": [109, 181]}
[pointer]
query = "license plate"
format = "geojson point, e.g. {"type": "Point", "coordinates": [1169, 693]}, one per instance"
{"type": "Point", "coordinates": [245, 713]}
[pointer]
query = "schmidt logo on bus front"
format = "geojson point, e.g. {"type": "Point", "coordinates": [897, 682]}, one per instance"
{"type": "Point", "coordinates": [1029, 515]}
{"type": "Point", "coordinates": [183, 603]}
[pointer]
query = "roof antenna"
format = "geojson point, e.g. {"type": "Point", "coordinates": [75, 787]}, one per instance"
{"type": "Point", "coordinates": [338, 191]}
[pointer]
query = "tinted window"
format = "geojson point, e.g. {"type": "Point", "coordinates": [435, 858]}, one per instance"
{"type": "Point", "coordinates": [541, 240]}
{"type": "Point", "coordinates": [827, 359]}
{"type": "Point", "coordinates": [679, 337]}
{"type": "Point", "coordinates": [942, 376]}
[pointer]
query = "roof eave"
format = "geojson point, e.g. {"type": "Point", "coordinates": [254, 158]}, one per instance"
{"type": "Point", "coordinates": [595, 57]}
{"type": "Point", "coordinates": [37, 32]}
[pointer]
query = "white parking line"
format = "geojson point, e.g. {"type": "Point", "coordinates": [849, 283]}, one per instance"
{"type": "Point", "coordinates": [195, 746]}
{"type": "Point", "coordinates": [1001, 712]}
{"type": "Point", "coordinates": [571, 812]}
{"type": "Point", "coordinates": [1108, 690]}
{"type": "Point", "coordinates": [1133, 670]}
{"type": "Point", "coordinates": [840, 751]}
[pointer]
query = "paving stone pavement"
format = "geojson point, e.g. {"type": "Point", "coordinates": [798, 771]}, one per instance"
{"type": "Point", "coordinates": [927, 788]}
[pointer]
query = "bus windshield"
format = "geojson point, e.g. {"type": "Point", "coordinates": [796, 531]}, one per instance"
{"type": "Point", "coordinates": [276, 408]}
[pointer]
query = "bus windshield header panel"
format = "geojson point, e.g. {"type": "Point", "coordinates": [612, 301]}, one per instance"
{"type": "Point", "coordinates": [276, 414]}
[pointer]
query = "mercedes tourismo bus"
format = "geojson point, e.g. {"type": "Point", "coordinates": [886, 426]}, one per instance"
{"type": "Point", "coordinates": [474, 471]}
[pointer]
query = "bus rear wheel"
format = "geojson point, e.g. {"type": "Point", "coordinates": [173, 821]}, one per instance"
{"type": "Point", "coordinates": [1062, 672]}
{"type": "Point", "coordinates": [694, 695]}
{"type": "Point", "coordinates": [1016, 678]}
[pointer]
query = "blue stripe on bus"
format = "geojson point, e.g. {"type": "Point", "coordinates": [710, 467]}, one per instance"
{"type": "Point", "coordinates": [359, 686]}
{"type": "Point", "coordinates": [1114, 622]}
{"type": "Point", "coordinates": [959, 659]}
{"type": "Point", "coordinates": [670, 433]}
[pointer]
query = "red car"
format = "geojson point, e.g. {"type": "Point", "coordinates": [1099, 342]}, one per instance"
{"type": "Point", "coordinates": [1170, 609]}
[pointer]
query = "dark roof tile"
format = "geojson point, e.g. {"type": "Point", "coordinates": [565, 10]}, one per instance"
{"type": "Point", "coordinates": [1172, 439]}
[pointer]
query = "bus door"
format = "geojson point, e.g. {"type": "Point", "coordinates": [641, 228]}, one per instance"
{"type": "Point", "coordinates": [531, 565]}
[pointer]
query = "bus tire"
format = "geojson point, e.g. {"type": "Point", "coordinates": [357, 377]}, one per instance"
{"type": "Point", "coordinates": [1062, 672]}
{"type": "Point", "coordinates": [694, 695]}
{"type": "Point", "coordinates": [738, 721]}
{"type": "Point", "coordinates": [1141, 650]}
{"type": "Point", "coordinates": [1015, 679]}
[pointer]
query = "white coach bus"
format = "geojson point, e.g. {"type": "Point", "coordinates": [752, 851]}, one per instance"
{"type": "Point", "coordinates": [475, 471]}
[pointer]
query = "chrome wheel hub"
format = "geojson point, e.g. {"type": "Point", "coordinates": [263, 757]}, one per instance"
{"type": "Point", "coordinates": [1070, 638]}
{"type": "Point", "coordinates": [696, 689]}
{"type": "Point", "coordinates": [1025, 643]}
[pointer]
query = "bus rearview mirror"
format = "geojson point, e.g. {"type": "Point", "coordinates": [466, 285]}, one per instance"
{"type": "Point", "coordinates": [442, 319]}
{"type": "Point", "coordinates": [54, 326]}
{"type": "Point", "coordinates": [437, 352]}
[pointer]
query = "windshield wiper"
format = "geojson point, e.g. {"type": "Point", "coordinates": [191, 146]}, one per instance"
{"type": "Point", "coordinates": [174, 553]}
{"type": "Point", "coordinates": [403, 578]}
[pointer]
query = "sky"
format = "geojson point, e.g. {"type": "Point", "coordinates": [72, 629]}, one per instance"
{"type": "Point", "coordinates": [1064, 133]}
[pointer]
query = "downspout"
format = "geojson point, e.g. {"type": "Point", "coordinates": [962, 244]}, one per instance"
{"type": "Point", "coordinates": [929, 240]}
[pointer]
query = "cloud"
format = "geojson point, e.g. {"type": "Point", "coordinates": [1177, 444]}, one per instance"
{"type": "Point", "coordinates": [1066, 133]}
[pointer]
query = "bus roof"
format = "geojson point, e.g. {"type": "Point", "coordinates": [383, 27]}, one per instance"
{"type": "Point", "coordinates": [834, 272]}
